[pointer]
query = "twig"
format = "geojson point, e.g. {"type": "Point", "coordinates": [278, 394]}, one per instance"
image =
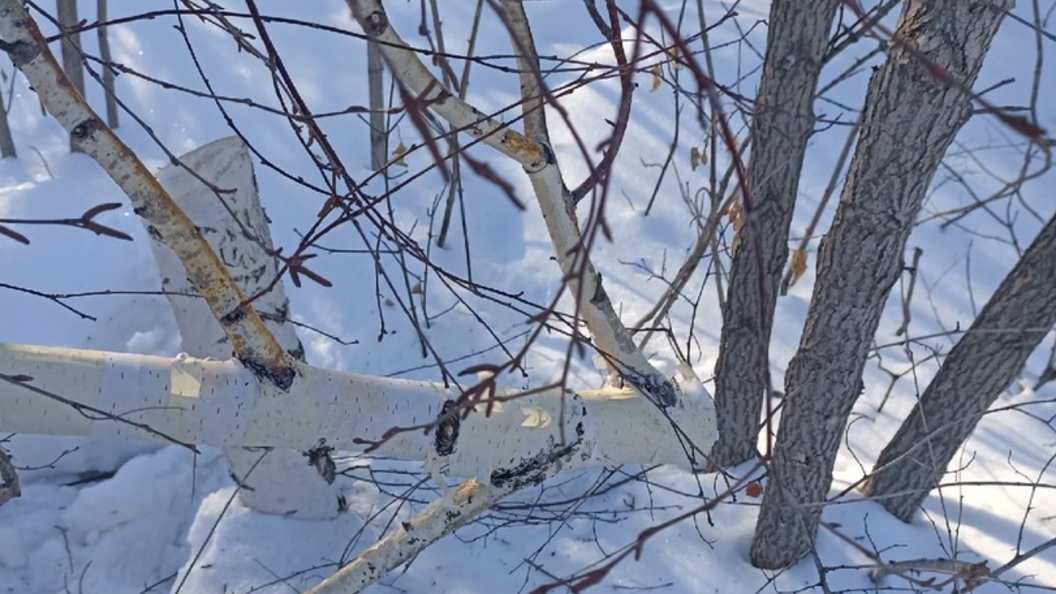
{"type": "Point", "coordinates": [908, 298]}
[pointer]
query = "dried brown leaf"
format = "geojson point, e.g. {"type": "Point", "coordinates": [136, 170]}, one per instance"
{"type": "Point", "coordinates": [798, 265]}
{"type": "Point", "coordinates": [398, 153]}
{"type": "Point", "coordinates": [655, 71]}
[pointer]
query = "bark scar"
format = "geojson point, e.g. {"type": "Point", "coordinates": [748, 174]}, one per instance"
{"type": "Point", "coordinates": [447, 426]}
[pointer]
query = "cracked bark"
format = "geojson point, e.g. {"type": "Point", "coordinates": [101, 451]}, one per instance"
{"type": "Point", "coordinates": [910, 119]}
{"type": "Point", "coordinates": [986, 360]}
{"type": "Point", "coordinates": [782, 123]}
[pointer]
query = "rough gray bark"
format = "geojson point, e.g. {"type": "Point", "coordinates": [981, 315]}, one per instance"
{"type": "Point", "coordinates": [108, 73]}
{"type": "Point", "coordinates": [781, 125]}
{"type": "Point", "coordinates": [379, 151]}
{"type": "Point", "coordinates": [909, 120]}
{"type": "Point", "coordinates": [9, 488]}
{"type": "Point", "coordinates": [989, 357]}
{"type": "Point", "coordinates": [66, 14]}
{"type": "Point", "coordinates": [7, 143]}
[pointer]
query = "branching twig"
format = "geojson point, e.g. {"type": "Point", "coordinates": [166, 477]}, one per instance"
{"type": "Point", "coordinates": [251, 341]}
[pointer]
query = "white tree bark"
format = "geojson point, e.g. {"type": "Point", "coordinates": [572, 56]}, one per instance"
{"type": "Point", "coordinates": [440, 518]}
{"type": "Point", "coordinates": [521, 441]}
{"type": "Point", "coordinates": [609, 336]}
{"type": "Point", "coordinates": [252, 344]}
{"type": "Point", "coordinates": [59, 391]}
{"type": "Point", "coordinates": [281, 482]}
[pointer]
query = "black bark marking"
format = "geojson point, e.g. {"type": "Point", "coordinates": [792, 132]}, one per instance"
{"type": "Point", "coordinates": [376, 23]}
{"type": "Point", "coordinates": [321, 457]}
{"type": "Point", "coordinates": [447, 425]}
{"type": "Point", "coordinates": [234, 316]}
{"type": "Point", "coordinates": [599, 297]}
{"type": "Point", "coordinates": [532, 471]}
{"type": "Point", "coordinates": [282, 378]}
{"type": "Point", "coordinates": [85, 129]}
{"type": "Point", "coordinates": [22, 52]}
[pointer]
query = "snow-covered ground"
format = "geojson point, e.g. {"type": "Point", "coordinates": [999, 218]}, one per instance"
{"type": "Point", "coordinates": [113, 517]}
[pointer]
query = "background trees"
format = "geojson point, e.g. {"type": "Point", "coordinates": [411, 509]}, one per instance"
{"type": "Point", "coordinates": [579, 161]}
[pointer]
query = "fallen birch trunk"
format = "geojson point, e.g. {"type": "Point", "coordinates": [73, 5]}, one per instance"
{"type": "Point", "coordinates": [59, 391]}
{"type": "Point", "coordinates": [233, 223]}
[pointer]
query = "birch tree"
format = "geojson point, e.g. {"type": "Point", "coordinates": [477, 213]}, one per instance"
{"type": "Point", "coordinates": [266, 398]}
{"type": "Point", "coordinates": [244, 383]}
{"type": "Point", "coordinates": [235, 227]}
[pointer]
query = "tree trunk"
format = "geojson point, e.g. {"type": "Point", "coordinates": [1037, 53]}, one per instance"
{"type": "Point", "coordinates": [71, 50]}
{"type": "Point", "coordinates": [187, 400]}
{"type": "Point", "coordinates": [985, 361]}
{"type": "Point", "coordinates": [7, 143]}
{"type": "Point", "coordinates": [282, 482]}
{"type": "Point", "coordinates": [379, 152]}
{"type": "Point", "coordinates": [108, 72]}
{"type": "Point", "coordinates": [252, 343]}
{"type": "Point", "coordinates": [782, 124]}
{"type": "Point", "coordinates": [910, 119]}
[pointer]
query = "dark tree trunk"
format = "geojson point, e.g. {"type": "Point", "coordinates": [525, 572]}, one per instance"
{"type": "Point", "coordinates": [985, 361]}
{"type": "Point", "coordinates": [782, 124]}
{"type": "Point", "coordinates": [66, 13]}
{"type": "Point", "coordinates": [910, 118]}
{"type": "Point", "coordinates": [108, 72]}
{"type": "Point", "coordinates": [379, 150]}
{"type": "Point", "coordinates": [7, 143]}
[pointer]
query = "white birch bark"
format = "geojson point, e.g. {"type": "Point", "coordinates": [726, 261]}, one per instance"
{"type": "Point", "coordinates": [281, 482]}
{"type": "Point", "coordinates": [782, 123]}
{"type": "Point", "coordinates": [609, 336]}
{"type": "Point", "coordinates": [60, 391]}
{"type": "Point", "coordinates": [440, 518]}
{"type": "Point", "coordinates": [252, 344]}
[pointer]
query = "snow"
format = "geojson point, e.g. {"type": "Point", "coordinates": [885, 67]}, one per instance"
{"type": "Point", "coordinates": [111, 516]}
